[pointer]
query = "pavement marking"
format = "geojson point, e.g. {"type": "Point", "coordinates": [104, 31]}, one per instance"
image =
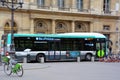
{"type": "Point", "coordinates": [37, 68]}
{"type": "Point", "coordinates": [33, 68]}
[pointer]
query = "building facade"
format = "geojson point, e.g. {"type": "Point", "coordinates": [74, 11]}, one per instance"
{"type": "Point", "coordinates": [60, 16]}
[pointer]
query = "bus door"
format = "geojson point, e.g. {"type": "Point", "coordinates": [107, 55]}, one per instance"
{"type": "Point", "coordinates": [100, 48]}
{"type": "Point", "coordinates": [54, 52]}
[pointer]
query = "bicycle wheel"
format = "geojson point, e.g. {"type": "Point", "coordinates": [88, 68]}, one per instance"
{"type": "Point", "coordinates": [19, 71]}
{"type": "Point", "coordinates": [7, 69]}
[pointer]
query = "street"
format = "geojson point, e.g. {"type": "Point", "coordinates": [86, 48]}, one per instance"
{"type": "Point", "coordinates": [67, 71]}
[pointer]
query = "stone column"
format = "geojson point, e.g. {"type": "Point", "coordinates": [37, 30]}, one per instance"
{"type": "Point", "coordinates": [73, 3]}
{"type": "Point", "coordinates": [91, 26]}
{"type": "Point", "coordinates": [73, 26]}
{"type": "Point", "coordinates": [32, 1]}
{"type": "Point", "coordinates": [54, 3]}
{"type": "Point", "coordinates": [67, 5]}
{"type": "Point", "coordinates": [48, 3]}
{"type": "Point", "coordinates": [32, 26]}
{"type": "Point", "coordinates": [53, 26]}
{"type": "Point", "coordinates": [1, 29]}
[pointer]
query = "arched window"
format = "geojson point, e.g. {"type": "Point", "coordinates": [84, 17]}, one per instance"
{"type": "Point", "coordinates": [7, 27]}
{"type": "Point", "coordinates": [79, 27]}
{"type": "Point", "coordinates": [61, 27]}
{"type": "Point", "coordinates": [40, 27]}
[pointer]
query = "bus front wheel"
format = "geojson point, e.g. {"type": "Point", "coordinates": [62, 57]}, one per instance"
{"type": "Point", "coordinates": [88, 57]}
{"type": "Point", "coordinates": [39, 57]}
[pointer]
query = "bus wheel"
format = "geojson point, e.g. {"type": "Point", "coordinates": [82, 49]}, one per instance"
{"type": "Point", "coordinates": [88, 57]}
{"type": "Point", "coordinates": [39, 57]}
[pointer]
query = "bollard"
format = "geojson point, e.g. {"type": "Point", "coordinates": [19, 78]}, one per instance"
{"type": "Point", "coordinates": [24, 60]}
{"type": "Point", "coordinates": [78, 59]}
{"type": "Point", "coordinates": [0, 63]}
{"type": "Point", "coordinates": [28, 58]}
{"type": "Point", "coordinates": [93, 59]}
{"type": "Point", "coordinates": [42, 60]}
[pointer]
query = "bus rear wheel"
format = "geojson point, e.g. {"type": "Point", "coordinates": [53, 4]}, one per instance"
{"type": "Point", "coordinates": [39, 57]}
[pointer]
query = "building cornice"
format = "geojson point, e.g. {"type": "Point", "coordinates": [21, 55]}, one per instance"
{"type": "Point", "coordinates": [63, 13]}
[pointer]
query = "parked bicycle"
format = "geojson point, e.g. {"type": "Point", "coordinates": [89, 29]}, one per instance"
{"type": "Point", "coordinates": [12, 66]}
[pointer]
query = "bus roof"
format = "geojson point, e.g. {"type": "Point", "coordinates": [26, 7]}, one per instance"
{"type": "Point", "coordinates": [63, 35]}
{"type": "Point", "coordinates": [82, 35]}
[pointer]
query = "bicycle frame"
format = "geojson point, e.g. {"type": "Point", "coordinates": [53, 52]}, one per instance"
{"type": "Point", "coordinates": [16, 68]}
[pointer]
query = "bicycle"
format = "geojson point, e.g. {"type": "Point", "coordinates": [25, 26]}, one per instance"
{"type": "Point", "coordinates": [12, 66]}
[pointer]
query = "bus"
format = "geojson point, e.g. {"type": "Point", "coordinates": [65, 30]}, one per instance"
{"type": "Point", "coordinates": [57, 47]}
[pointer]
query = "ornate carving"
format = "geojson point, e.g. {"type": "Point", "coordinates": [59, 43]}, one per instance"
{"type": "Point", "coordinates": [7, 27]}
{"type": "Point", "coordinates": [61, 27]}
{"type": "Point", "coordinates": [40, 26]}
{"type": "Point", "coordinates": [80, 27]}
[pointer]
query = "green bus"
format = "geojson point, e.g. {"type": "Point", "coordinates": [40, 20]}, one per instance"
{"type": "Point", "coordinates": [57, 47]}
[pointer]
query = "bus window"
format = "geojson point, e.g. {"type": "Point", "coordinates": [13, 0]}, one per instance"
{"type": "Point", "coordinates": [40, 46]}
{"type": "Point", "coordinates": [66, 45]}
{"type": "Point", "coordinates": [97, 46]}
{"type": "Point", "coordinates": [89, 45]}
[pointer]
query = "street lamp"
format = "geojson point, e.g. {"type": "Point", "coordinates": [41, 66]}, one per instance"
{"type": "Point", "coordinates": [12, 5]}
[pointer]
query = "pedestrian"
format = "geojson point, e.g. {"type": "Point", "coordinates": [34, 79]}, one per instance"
{"type": "Point", "coordinates": [110, 50]}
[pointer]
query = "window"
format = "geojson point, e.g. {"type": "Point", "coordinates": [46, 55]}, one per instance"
{"type": "Point", "coordinates": [60, 26]}
{"type": "Point", "coordinates": [54, 45]}
{"type": "Point", "coordinates": [78, 26]}
{"type": "Point", "coordinates": [89, 44]}
{"type": "Point", "coordinates": [40, 2]}
{"type": "Point", "coordinates": [7, 27]}
{"type": "Point", "coordinates": [22, 43]}
{"type": "Point", "coordinates": [80, 4]}
{"type": "Point", "coordinates": [66, 44]}
{"type": "Point", "coordinates": [106, 27]}
{"type": "Point", "coordinates": [77, 44]}
{"type": "Point", "coordinates": [61, 3]}
{"type": "Point", "coordinates": [40, 25]}
{"type": "Point", "coordinates": [106, 6]}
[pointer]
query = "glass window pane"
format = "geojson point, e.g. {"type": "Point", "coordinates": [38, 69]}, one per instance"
{"type": "Point", "coordinates": [80, 4]}
{"type": "Point", "coordinates": [60, 3]}
{"type": "Point", "coordinates": [40, 2]}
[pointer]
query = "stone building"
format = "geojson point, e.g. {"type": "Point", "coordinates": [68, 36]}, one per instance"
{"type": "Point", "coordinates": [60, 16]}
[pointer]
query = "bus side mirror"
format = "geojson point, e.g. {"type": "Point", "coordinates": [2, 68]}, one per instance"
{"type": "Point", "coordinates": [12, 47]}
